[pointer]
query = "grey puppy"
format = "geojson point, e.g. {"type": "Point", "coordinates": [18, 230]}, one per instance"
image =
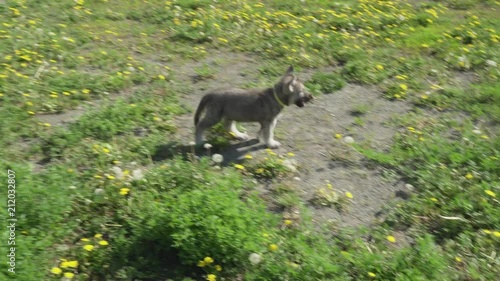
{"type": "Point", "coordinates": [254, 105]}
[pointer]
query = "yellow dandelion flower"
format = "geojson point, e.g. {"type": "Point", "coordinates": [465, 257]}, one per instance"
{"type": "Point", "coordinates": [105, 150]}
{"type": "Point", "coordinates": [403, 87]}
{"type": "Point", "coordinates": [47, 124]}
{"type": "Point", "coordinates": [391, 239]}
{"type": "Point", "coordinates": [458, 259]}
{"type": "Point", "coordinates": [287, 222]}
{"type": "Point", "coordinates": [211, 277]}
{"type": "Point", "coordinates": [371, 274]}
{"type": "Point", "coordinates": [88, 248]}
{"type": "Point", "coordinates": [218, 267]}
{"type": "Point", "coordinates": [490, 193]}
{"type": "Point", "coordinates": [110, 177]}
{"type": "Point", "coordinates": [248, 156]}
{"type": "Point", "coordinates": [201, 264]}
{"type": "Point", "coordinates": [124, 191]}
{"type": "Point", "coordinates": [273, 247]}
{"type": "Point", "coordinates": [64, 264]}
{"type": "Point", "coordinates": [86, 91]}
{"type": "Point", "coordinates": [56, 270]}
{"type": "Point", "coordinates": [380, 67]}
{"type": "Point", "coordinates": [161, 77]}
{"type": "Point", "coordinates": [349, 195]}
{"type": "Point", "coordinates": [31, 112]}
{"type": "Point", "coordinates": [469, 176]}
{"type": "Point", "coordinates": [259, 170]}
{"type": "Point", "coordinates": [103, 243]}
{"type": "Point", "coordinates": [28, 103]}
{"type": "Point", "coordinates": [434, 199]}
{"type": "Point", "coordinates": [424, 97]}
{"type": "Point", "coordinates": [66, 93]}
{"type": "Point", "coordinates": [496, 233]}
{"type": "Point", "coordinates": [208, 260]}
{"type": "Point", "coordinates": [290, 154]}
{"type": "Point", "coordinates": [239, 167]}
{"type": "Point", "coordinates": [98, 235]}
{"type": "Point", "coordinates": [486, 231]}
{"type": "Point", "coordinates": [84, 240]}
{"type": "Point", "coordinates": [338, 136]}
{"type": "Point", "coordinates": [72, 264]}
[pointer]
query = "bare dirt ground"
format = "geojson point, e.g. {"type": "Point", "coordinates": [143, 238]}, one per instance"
{"type": "Point", "coordinates": [309, 133]}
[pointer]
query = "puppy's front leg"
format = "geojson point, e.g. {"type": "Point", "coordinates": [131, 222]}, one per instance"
{"type": "Point", "coordinates": [268, 134]}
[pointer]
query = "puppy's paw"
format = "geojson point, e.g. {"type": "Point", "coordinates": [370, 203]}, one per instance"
{"type": "Point", "coordinates": [273, 144]}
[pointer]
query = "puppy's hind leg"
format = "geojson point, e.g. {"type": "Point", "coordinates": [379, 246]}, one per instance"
{"type": "Point", "coordinates": [230, 125]}
{"type": "Point", "coordinates": [206, 122]}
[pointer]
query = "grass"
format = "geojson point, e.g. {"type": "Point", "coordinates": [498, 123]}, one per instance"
{"type": "Point", "coordinates": [90, 193]}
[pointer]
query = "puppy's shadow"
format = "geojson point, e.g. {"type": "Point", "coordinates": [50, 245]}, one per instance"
{"type": "Point", "coordinates": [170, 150]}
{"type": "Point", "coordinates": [232, 153]}
{"type": "Point", "coordinates": [235, 152]}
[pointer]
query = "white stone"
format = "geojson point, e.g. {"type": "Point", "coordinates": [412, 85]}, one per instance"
{"type": "Point", "coordinates": [217, 158]}
{"type": "Point", "coordinates": [348, 139]}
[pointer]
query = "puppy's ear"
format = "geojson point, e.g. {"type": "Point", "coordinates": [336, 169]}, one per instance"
{"type": "Point", "coordinates": [290, 70]}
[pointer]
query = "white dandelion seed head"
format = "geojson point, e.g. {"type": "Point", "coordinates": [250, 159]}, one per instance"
{"type": "Point", "coordinates": [255, 258]}
{"type": "Point", "coordinates": [118, 172]}
{"type": "Point", "coordinates": [137, 174]}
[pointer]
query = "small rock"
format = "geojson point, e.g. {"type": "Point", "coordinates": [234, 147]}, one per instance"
{"type": "Point", "coordinates": [477, 132]}
{"type": "Point", "coordinates": [297, 179]}
{"type": "Point", "coordinates": [409, 186]}
{"type": "Point", "coordinates": [348, 139]}
{"type": "Point", "coordinates": [72, 187]}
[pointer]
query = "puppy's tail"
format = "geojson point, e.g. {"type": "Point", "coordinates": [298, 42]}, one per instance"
{"type": "Point", "coordinates": [203, 103]}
